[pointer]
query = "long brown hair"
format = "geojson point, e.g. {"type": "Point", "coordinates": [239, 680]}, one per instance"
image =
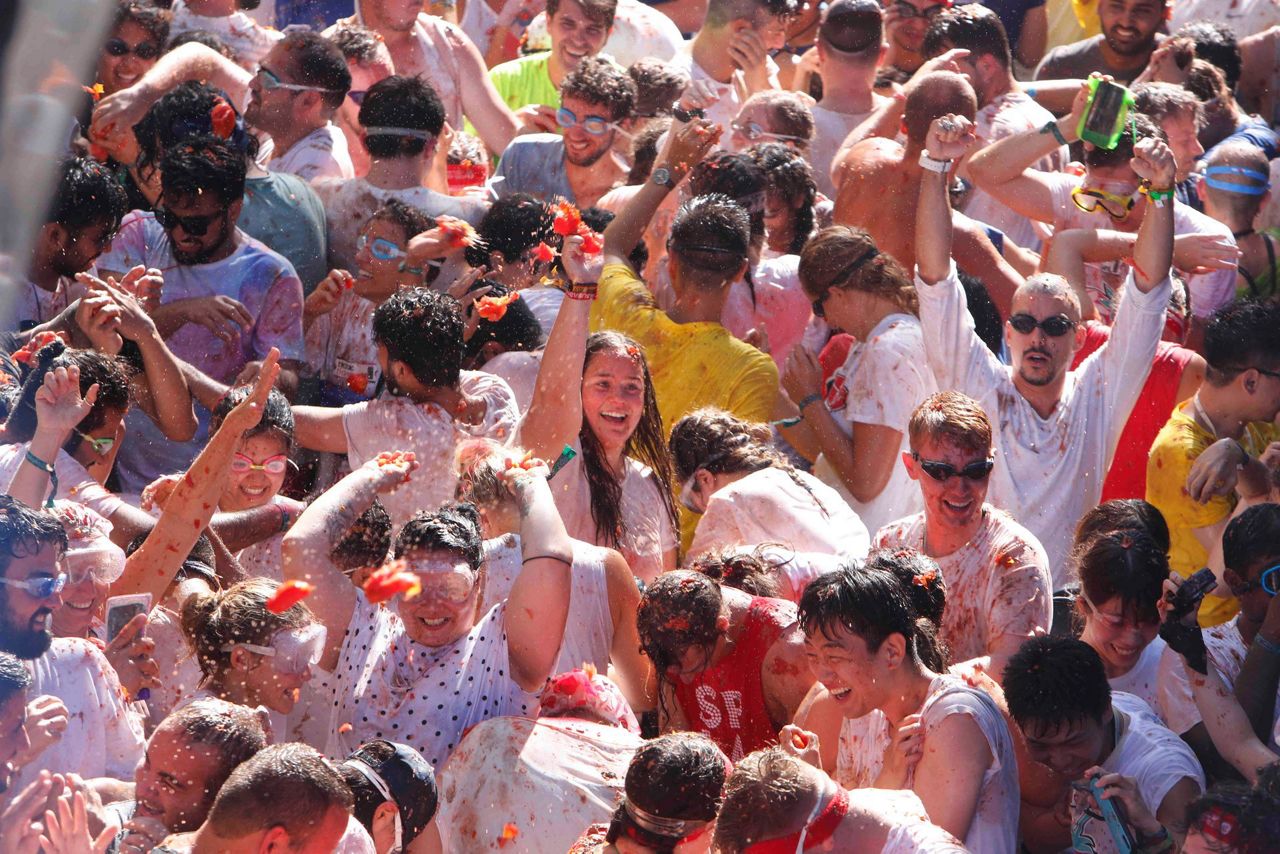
{"type": "Point", "coordinates": [647, 445]}
{"type": "Point", "coordinates": [846, 257]}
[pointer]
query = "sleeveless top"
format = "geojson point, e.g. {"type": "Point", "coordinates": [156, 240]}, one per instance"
{"type": "Point", "coordinates": [726, 702]}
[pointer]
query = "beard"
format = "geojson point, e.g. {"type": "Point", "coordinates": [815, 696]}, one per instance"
{"type": "Point", "coordinates": [592, 157]}
{"type": "Point", "coordinates": [202, 255]}
{"type": "Point", "coordinates": [23, 641]}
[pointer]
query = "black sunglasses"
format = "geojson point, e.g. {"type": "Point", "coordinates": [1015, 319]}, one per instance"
{"type": "Point", "coordinates": [196, 226]}
{"type": "Point", "coordinates": [143, 50]}
{"type": "Point", "coordinates": [943, 472]}
{"type": "Point", "coordinates": [1054, 327]}
{"type": "Point", "coordinates": [357, 95]}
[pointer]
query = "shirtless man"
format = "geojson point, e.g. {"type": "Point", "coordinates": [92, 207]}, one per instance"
{"type": "Point", "coordinates": [878, 181]}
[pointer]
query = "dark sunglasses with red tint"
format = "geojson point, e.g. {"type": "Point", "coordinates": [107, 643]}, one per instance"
{"type": "Point", "coordinates": [196, 226]}
{"type": "Point", "coordinates": [943, 472]}
{"type": "Point", "coordinates": [142, 50]}
{"type": "Point", "coordinates": [1054, 327]}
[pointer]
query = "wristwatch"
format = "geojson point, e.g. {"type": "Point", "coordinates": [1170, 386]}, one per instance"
{"type": "Point", "coordinates": [683, 115]}
{"type": "Point", "coordinates": [662, 177]}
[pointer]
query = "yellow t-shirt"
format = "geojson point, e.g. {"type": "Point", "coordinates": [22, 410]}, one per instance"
{"type": "Point", "coordinates": [1179, 443]}
{"type": "Point", "coordinates": [692, 364]}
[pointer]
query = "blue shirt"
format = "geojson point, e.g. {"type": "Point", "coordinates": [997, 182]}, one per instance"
{"type": "Point", "coordinates": [534, 164]}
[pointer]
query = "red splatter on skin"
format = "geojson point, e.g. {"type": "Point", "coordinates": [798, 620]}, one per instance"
{"type": "Point", "coordinates": [781, 667]}
{"type": "Point", "coordinates": [509, 833]}
{"type": "Point", "coordinates": [289, 594]}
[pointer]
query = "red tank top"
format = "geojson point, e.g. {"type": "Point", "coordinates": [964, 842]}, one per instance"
{"type": "Point", "coordinates": [726, 702]}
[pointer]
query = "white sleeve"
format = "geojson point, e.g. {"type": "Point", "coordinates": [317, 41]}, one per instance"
{"type": "Point", "coordinates": [1176, 704]}
{"type": "Point", "coordinates": [957, 356]}
{"type": "Point", "coordinates": [1122, 364]}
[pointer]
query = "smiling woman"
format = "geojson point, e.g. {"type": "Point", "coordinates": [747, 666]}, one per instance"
{"type": "Point", "coordinates": [136, 40]}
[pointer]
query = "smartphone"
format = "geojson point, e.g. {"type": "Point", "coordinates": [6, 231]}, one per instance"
{"type": "Point", "coordinates": [1112, 814]}
{"type": "Point", "coordinates": [122, 609]}
{"type": "Point", "coordinates": [1105, 114]}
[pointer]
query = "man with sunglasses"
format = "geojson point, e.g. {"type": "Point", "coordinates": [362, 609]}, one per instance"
{"type": "Point", "coordinates": [1112, 198]}
{"type": "Point", "coordinates": [1058, 428]}
{"type": "Point", "coordinates": [581, 165]}
{"type": "Point", "coordinates": [1208, 459]}
{"type": "Point", "coordinates": [997, 575]}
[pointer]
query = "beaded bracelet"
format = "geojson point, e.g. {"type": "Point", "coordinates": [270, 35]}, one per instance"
{"type": "Point", "coordinates": [48, 469]}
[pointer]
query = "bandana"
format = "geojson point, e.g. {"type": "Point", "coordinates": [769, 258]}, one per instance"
{"type": "Point", "coordinates": [816, 831]}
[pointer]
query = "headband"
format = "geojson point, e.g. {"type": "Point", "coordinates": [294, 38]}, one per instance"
{"type": "Point", "coordinates": [416, 133]}
{"type": "Point", "coordinates": [853, 268]}
{"type": "Point", "coordinates": [1245, 189]}
{"type": "Point", "coordinates": [673, 828]}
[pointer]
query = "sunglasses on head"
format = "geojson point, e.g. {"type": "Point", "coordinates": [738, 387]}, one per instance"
{"type": "Point", "coordinates": [943, 472]}
{"type": "Point", "coordinates": [38, 586]}
{"type": "Point", "coordinates": [142, 50]}
{"type": "Point", "coordinates": [1054, 327]}
{"type": "Point", "coordinates": [754, 132]}
{"type": "Point", "coordinates": [906, 11]}
{"type": "Point", "coordinates": [196, 226]}
{"type": "Point", "coordinates": [594, 125]}
{"type": "Point", "coordinates": [240, 464]}
{"type": "Point", "coordinates": [380, 248]}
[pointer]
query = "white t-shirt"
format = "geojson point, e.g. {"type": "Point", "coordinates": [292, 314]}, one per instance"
{"type": "Point", "coordinates": [323, 153]}
{"type": "Point", "coordinates": [881, 382]}
{"type": "Point", "coordinates": [33, 305]}
{"type": "Point", "coordinates": [1244, 17]}
{"type": "Point", "coordinates": [390, 423]}
{"type": "Point", "coordinates": [998, 583]}
{"type": "Point", "coordinates": [830, 129]}
{"type": "Point", "coordinates": [725, 110]}
{"type": "Point", "coordinates": [520, 369]}
{"type": "Point", "coordinates": [1012, 113]}
{"type": "Point", "coordinates": [180, 674]}
{"type": "Point", "coordinates": [104, 737]}
{"type": "Point", "coordinates": [250, 40]}
{"type": "Point", "coordinates": [74, 481]}
{"type": "Point", "coordinates": [388, 686]}
{"type": "Point", "coordinates": [769, 506]}
{"type": "Point", "coordinates": [340, 346]}
{"type": "Point", "coordinates": [1146, 751]}
{"type": "Point", "coordinates": [1048, 470]}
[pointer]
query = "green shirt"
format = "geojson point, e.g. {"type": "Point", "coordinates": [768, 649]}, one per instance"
{"type": "Point", "coordinates": [526, 80]}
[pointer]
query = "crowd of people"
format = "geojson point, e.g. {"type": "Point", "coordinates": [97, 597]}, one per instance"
{"type": "Point", "coordinates": [669, 426]}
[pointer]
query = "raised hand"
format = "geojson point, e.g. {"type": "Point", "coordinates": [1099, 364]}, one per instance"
{"type": "Point", "coordinates": [221, 315]}
{"type": "Point", "coordinates": [700, 95]}
{"type": "Point", "coordinates": [325, 297]}
{"type": "Point", "coordinates": [437, 242]}
{"type": "Point", "coordinates": [145, 284]}
{"type": "Point", "coordinates": [131, 654]}
{"type": "Point", "coordinates": [949, 137]}
{"type": "Point", "coordinates": [1153, 160]}
{"type": "Point", "coordinates": [687, 144]}
{"type": "Point", "coordinates": [98, 317]}
{"type": "Point", "coordinates": [1204, 253]}
{"type": "Point", "coordinates": [946, 61]}
{"type": "Point", "coordinates": [902, 754]}
{"type": "Point", "coordinates": [248, 412]}
{"type": "Point", "coordinates": [59, 406]}
{"type": "Point", "coordinates": [391, 469]}
{"type": "Point", "coordinates": [66, 831]}
{"type": "Point", "coordinates": [47, 719]}
{"type": "Point", "coordinates": [580, 267]}
{"type": "Point", "coordinates": [537, 118]}
{"type": "Point", "coordinates": [749, 54]}
{"type": "Point", "coordinates": [801, 744]}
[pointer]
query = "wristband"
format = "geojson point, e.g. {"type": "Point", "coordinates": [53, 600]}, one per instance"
{"type": "Point", "coordinates": [49, 470]}
{"type": "Point", "coordinates": [1052, 127]}
{"type": "Point", "coordinates": [683, 115]}
{"type": "Point", "coordinates": [1158, 197]}
{"type": "Point", "coordinates": [1156, 843]}
{"type": "Point", "coordinates": [934, 165]}
{"type": "Point", "coordinates": [808, 399]}
{"type": "Point", "coordinates": [284, 518]}
{"type": "Point", "coordinates": [581, 291]}
{"type": "Point", "coordinates": [1266, 645]}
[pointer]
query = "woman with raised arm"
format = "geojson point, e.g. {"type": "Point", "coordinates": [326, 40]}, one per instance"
{"type": "Point", "coordinates": [594, 394]}
{"type": "Point", "coordinates": [427, 668]}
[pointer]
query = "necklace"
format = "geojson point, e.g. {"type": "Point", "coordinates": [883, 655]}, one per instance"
{"type": "Point", "coordinates": [1200, 416]}
{"type": "Point", "coordinates": [1244, 233]}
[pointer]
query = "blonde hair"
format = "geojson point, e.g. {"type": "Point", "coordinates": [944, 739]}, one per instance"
{"type": "Point", "coordinates": [845, 257]}
{"type": "Point", "coordinates": [238, 614]}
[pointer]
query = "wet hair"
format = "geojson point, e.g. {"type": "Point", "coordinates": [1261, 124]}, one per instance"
{"type": "Point", "coordinates": [517, 330]}
{"type": "Point", "coordinates": [1251, 537]}
{"type": "Point", "coordinates": [466, 146]}
{"type": "Point", "coordinates": [936, 95]}
{"type": "Point", "coordinates": [88, 194]}
{"type": "Point", "coordinates": [410, 220]}
{"type": "Point", "coordinates": [600, 83]}
{"type": "Point", "coordinates": [736, 176]}
{"type": "Point", "coordinates": [789, 113]}
{"type": "Point", "coordinates": [644, 149]}
{"type": "Point", "coordinates": [676, 776]}
{"type": "Point", "coordinates": [920, 578]}
{"type": "Point", "coordinates": [201, 552]}
{"type": "Point", "coordinates": [204, 37]}
{"type": "Point", "coordinates": [710, 238]}
{"type": "Point", "coordinates": [678, 611]}
{"type": "Point", "coordinates": [789, 174]}
{"type": "Point", "coordinates": [366, 543]}
{"type": "Point", "coordinates": [846, 257]}
{"type": "Point", "coordinates": [203, 164]}
{"type": "Point", "coordinates": [95, 367]}
{"type": "Point", "coordinates": [1123, 514]}
{"type": "Point", "coordinates": [1241, 335]}
{"type": "Point", "coordinates": [1056, 681]}
{"type": "Point", "coordinates": [974, 28]}
{"type": "Point", "coordinates": [317, 61]}
{"type": "Point", "coordinates": [234, 731]}
{"type": "Point", "coordinates": [357, 44]}
{"type": "Point", "coordinates": [645, 445]}
{"type": "Point", "coordinates": [720, 443]}
{"type": "Point", "coordinates": [284, 785]}
{"type": "Point", "coordinates": [853, 29]}
{"type": "Point", "coordinates": [658, 86]}
{"type": "Point", "coordinates": [408, 777]}
{"type": "Point", "coordinates": [598, 220]}
{"type": "Point", "coordinates": [1254, 812]}
{"type": "Point", "coordinates": [871, 603]}
{"type": "Point", "coordinates": [183, 113]}
{"type": "Point", "coordinates": [1161, 101]}
{"type": "Point", "coordinates": [1216, 44]}
{"type": "Point", "coordinates": [14, 677]}
{"type": "Point", "coordinates": [277, 415]}
{"type": "Point", "coordinates": [400, 102]}
{"type": "Point", "coordinates": [721, 13]}
{"type": "Point", "coordinates": [1138, 127]}
{"type": "Point", "coordinates": [238, 614]}
{"type": "Point", "coordinates": [511, 227]}
{"type": "Point", "coordinates": [152, 19]}
{"type": "Point", "coordinates": [1123, 564]}
{"type": "Point", "coordinates": [453, 528]}
{"type": "Point", "coordinates": [764, 792]}
{"type": "Point", "coordinates": [423, 329]}
{"type": "Point", "coordinates": [751, 572]}
{"type": "Point", "coordinates": [952, 418]}
{"type": "Point", "coordinates": [596, 11]}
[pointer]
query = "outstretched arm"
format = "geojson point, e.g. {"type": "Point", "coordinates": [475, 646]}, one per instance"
{"type": "Point", "coordinates": [493, 121]}
{"type": "Point", "coordinates": [1153, 251]}
{"type": "Point", "coordinates": [306, 548]}
{"type": "Point", "coordinates": [949, 138]}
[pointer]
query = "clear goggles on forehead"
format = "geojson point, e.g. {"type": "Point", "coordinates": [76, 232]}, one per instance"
{"type": "Point", "coordinates": [105, 564]}
{"type": "Point", "coordinates": [443, 581]}
{"type": "Point", "coordinates": [294, 650]}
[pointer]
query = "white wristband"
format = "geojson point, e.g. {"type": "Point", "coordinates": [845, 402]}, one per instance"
{"type": "Point", "coordinates": [939, 166]}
